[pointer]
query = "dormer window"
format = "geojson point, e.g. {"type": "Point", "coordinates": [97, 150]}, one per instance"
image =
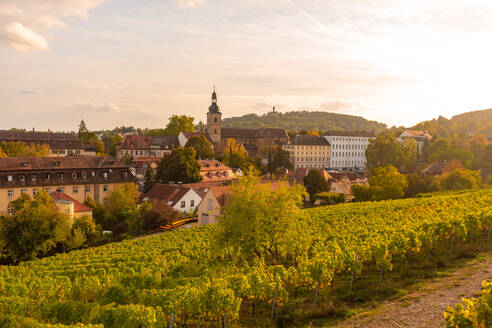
{"type": "Point", "coordinates": [93, 173]}
{"type": "Point", "coordinates": [60, 175]}
{"type": "Point", "coordinates": [125, 174]}
{"type": "Point", "coordinates": [22, 178]}
{"type": "Point", "coordinates": [84, 175]}
{"type": "Point", "coordinates": [105, 175]}
{"type": "Point", "coordinates": [33, 177]}
{"type": "Point", "coordinates": [25, 164]}
{"type": "Point", "coordinates": [10, 178]}
{"type": "Point", "coordinates": [74, 175]}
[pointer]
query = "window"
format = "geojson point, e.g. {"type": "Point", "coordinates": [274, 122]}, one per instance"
{"type": "Point", "coordinates": [74, 175]}
{"type": "Point", "coordinates": [48, 190]}
{"type": "Point", "coordinates": [84, 175]}
{"type": "Point", "coordinates": [183, 204]}
{"type": "Point", "coordinates": [34, 191]}
{"type": "Point", "coordinates": [9, 178]}
{"type": "Point", "coordinates": [60, 175]}
{"type": "Point", "coordinates": [62, 152]}
{"type": "Point", "coordinates": [47, 176]}
{"type": "Point", "coordinates": [10, 210]}
{"type": "Point", "coordinates": [105, 175]}
{"type": "Point", "coordinates": [125, 174]}
{"type": "Point", "coordinates": [192, 203]}
{"type": "Point", "coordinates": [70, 152]}
{"type": "Point", "coordinates": [87, 189]}
{"type": "Point", "coordinates": [75, 190]}
{"type": "Point", "coordinates": [61, 189]}
{"type": "Point", "coordinates": [22, 178]}
{"type": "Point", "coordinates": [33, 177]}
{"type": "Point", "coordinates": [105, 188]}
{"type": "Point", "coordinates": [77, 152]}
{"type": "Point", "coordinates": [10, 193]}
{"type": "Point", "coordinates": [210, 204]}
{"type": "Point", "coordinates": [23, 191]}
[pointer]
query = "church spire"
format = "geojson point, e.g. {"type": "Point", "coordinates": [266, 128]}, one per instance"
{"type": "Point", "coordinates": [213, 107]}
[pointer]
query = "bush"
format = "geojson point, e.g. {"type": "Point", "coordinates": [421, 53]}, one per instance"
{"type": "Point", "coordinates": [159, 214]}
{"type": "Point", "coordinates": [361, 193]}
{"type": "Point", "coordinates": [461, 179]}
{"type": "Point", "coordinates": [330, 198]}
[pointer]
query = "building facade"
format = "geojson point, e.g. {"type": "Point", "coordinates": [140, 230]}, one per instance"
{"type": "Point", "coordinates": [78, 177]}
{"type": "Point", "coordinates": [253, 140]}
{"type": "Point", "coordinates": [348, 149]}
{"type": "Point", "coordinates": [420, 138]}
{"type": "Point", "coordinates": [306, 151]}
{"type": "Point", "coordinates": [146, 146]}
{"type": "Point", "coordinates": [60, 144]}
{"type": "Point", "coordinates": [181, 198]}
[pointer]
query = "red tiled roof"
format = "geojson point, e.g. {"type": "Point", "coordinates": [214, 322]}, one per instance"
{"type": "Point", "coordinates": [135, 142]}
{"type": "Point", "coordinates": [309, 140]}
{"type": "Point", "coordinates": [417, 133]}
{"type": "Point", "coordinates": [167, 193]}
{"type": "Point", "coordinates": [221, 192]}
{"type": "Point", "coordinates": [77, 206]}
{"type": "Point", "coordinates": [55, 140]}
{"type": "Point", "coordinates": [350, 134]}
{"type": "Point", "coordinates": [65, 162]}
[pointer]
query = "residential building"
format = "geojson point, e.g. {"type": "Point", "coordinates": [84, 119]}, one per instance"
{"type": "Point", "coordinates": [146, 146]}
{"type": "Point", "coordinates": [420, 138]}
{"type": "Point", "coordinates": [348, 149]}
{"type": "Point", "coordinates": [60, 144]}
{"type": "Point", "coordinates": [181, 198]}
{"type": "Point", "coordinates": [70, 206]}
{"type": "Point", "coordinates": [307, 151]}
{"type": "Point", "coordinates": [215, 171]}
{"type": "Point", "coordinates": [77, 176]}
{"type": "Point", "coordinates": [213, 201]}
{"type": "Point", "coordinates": [253, 140]}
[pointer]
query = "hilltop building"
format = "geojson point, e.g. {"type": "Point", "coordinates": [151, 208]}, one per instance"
{"type": "Point", "coordinates": [307, 151]}
{"type": "Point", "coordinates": [60, 144]}
{"type": "Point", "coordinates": [348, 149]}
{"type": "Point", "coordinates": [76, 176]}
{"type": "Point", "coordinates": [420, 138]}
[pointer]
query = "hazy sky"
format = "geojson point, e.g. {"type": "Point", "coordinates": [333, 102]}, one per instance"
{"type": "Point", "coordinates": [136, 62]}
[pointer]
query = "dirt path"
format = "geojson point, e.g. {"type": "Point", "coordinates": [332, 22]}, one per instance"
{"type": "Point", "coordinates": [424, 308]}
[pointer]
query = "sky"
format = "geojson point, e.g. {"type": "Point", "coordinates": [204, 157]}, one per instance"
{"type": "Point", "coordinates": [127, 62]}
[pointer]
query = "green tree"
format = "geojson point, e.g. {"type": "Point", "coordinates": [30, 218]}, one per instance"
{"type": "Point", "coordinates": [387, 183]}
{"type": "Point", "coordinates": [98, 212]}
{"type": "Point", "coordinates": [203, 147]}
{"type": "Point", "coordinates": [418, 184]}
{"type": "Point", "coordinates": [121, 207]}
{"type": "Point", "coordinates": [85, 224]}
{"type": "Point", "coordinates": [157, 215]}
{"type": "Point", "coordinates": [315, 183]}
{"type": "Point", "coordinates": [20, 149]}
{"type": "Point", "coordinates": [278, 158]}
{"type": "Point", "coordinates": [34, 229]}
{"type": "Point", "coordinates": [149, 179]}
{"type": "Point", "coordinates": [486, 160]}
{"type": "Point", "coordinates": [261, 223]}
{"type": "Point", "coordinates": [127, 159]}
{"type": "Point", "coordinates": [179, 166]}
{"type": "Point", "coordinates": [83, 133]}
{"type": "Point", "coordinates": [461, 179]}
{"type": "Point", "coordinates": [179, 123]}
{"type": "Point", "coordinates": [386, 150]}
{"type": "Point", "coordinates": [361, 193]}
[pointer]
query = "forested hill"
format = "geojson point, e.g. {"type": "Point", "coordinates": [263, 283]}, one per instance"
{"type": "Point", "coordinates": [475, 122]}
{"type": "Point", "coordinates": [304, 120]}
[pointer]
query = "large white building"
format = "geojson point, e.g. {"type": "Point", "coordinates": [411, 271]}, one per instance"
{"type": "Point", "coordinates": [306, 151]}
{"type": "Point", "coordinates": [348, 149]}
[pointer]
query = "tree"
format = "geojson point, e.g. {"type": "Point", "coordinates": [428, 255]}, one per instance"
{"type": "Point", "coordinates": [34, 229]}
{"type": "Point", "coordinates": [476, 144]}
{"type": "Point", "coordinates": [386, 150]}
{"type": "Point", "coordinates": [20, 149]}
{"type": "Point", "coordinates": [486, 160]}
{"type": "Point", "coordinates": [461, 179]}
{"type": "Point", "coordinates": [261, 223]}
{"type": "Point", "coordinates": [157, 215]}
{"type": "Point", "coordinates": [278, 158]}
{"type": "Point", "coordinates": [121, 207]}
{"type": "Point", "coordinates": [387, 183]}
{"type": "Point", "coordinates": [127, 159]}
{"type": "Point", "coordinates": [203, 147]}
{"type": "Point", "coordinates": [90, 138]}
{"type": "Point", "coordinates": [315, 183]}
{"type": "Point", "coordinates": [418, 184]}
{"type": "Point", "coordinates": [85, 224]}
{"type": "Point", "coordinates": [97, 210]}
{"type": "Point", "coordinates": [179, 123]}
{"type": "Point", "coordinates": [446, 150]}
{"type": "Point", "coordinates": [179, 166]}
{"type": "Point", "coordinates": [149, 179]}
{"type": "Point", "coordinates": [361, 193]}
{"type": "Point", "coordinates": [234, 153]}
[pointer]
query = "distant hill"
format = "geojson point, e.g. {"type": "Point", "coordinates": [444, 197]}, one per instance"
{"type": "Point", "coordinates": [304, 120]}
{"type": "Point", "coordinates": [474, 122]}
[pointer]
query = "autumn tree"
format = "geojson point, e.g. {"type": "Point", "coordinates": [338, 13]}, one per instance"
{"type": "Point", "coordinates": [203, 147]}
{"type": "Point", "coordinates": [179, 123]}
{"type": "Point", "coordinates": [20, 149]}
{"type": "Point", "coordinates": [149, 179]}
{"type": "Point", "coordinates": [234, 153]}
{"type": "Point", "coordinates": [387, 183]}
{"type": "Point", "coordinates": [120, 207]}
{"type": "Point", "coordinates": [179, 166]}
{"type": "Point", "coordinates": [386, 150]}
{"type": "Point", "coordinates": [278, 158]}
{"type": "Point", "coordinates": [158, 214]}
{"type": "Point", "coordinates": [461, 179]}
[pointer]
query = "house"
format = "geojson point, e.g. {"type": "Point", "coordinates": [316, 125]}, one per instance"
{"type": "Point", "coordinates": [420, 138]}
{"type": "Point", "coordinates": [436, 168]}
{"type": "Point", "coordinates": [215, 171]}
{"type": "Point", "coordinates": [146, 146]}
{"type": "Point", "coordinates": [70, 206]}
{"type": "Point", "coordinates": [348, 148]}
{"type": "Point", "coordinates": [253, 140]}
{"type": "Point", "coordinates": [181, 198]}
{"type": "Point", "coordinates": [60, 144]}
{"type": "Point", "coordinates": [307, 151]}
{"type": "Point", "coordinates": [344, 184]}
{"type": "Point", "coordinates": [77, 176]}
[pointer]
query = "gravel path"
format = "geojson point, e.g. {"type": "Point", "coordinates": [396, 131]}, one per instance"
{"type": "Point", "coordinates": [424, 308]}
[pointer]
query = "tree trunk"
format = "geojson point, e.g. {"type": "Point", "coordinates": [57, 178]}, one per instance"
{"type": "Point", "coordinates": [316, 295]}
{"type": "Point", "coordinates": [380, 274]}
{"type": "Point", "coordinates": [353, 276]}
{"type": "Point", "coordinates": [171, 320]}
{"type": "Point", "coordinates": [406, 261]}
{"type": "Point", "coordinates": [274, 299]}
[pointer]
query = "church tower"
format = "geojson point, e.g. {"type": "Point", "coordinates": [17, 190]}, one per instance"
{"type": "Point", "coordinates": [214, 120]}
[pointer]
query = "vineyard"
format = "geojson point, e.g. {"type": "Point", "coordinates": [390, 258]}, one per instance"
{"type": "Point", "coordinates": [474, 313]}
{"type": "Point", "coordinates": [182, 278]}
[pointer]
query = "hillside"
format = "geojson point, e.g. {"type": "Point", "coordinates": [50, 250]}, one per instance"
{"type": "Point", "coordinates": [475, 122]}
{"type": "Point", "coordinates": [177, 278]}
{"type": "Point", "coordinates": [304, 120]}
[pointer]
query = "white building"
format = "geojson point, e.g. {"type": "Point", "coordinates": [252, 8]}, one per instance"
{"type": "Point", "coordinates": [306, 151]}
{"type": "Point", "coordinates": [348, 149]}
{"type": "Point", "coordinates": [420, 138]}
{"type": "Point", "coordinates": [181, 198]}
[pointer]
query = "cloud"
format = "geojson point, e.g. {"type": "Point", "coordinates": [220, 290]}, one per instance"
{"type": "Point", "coordinates": [93, 108]}
{"type": "Point", "coordinates": [28, 92]}
{"type": "Point", "coordinates": [344, 106]}
{"type": "Point", "coordinates": [21, 38]}
{"type": "Point", "coordinates": [189, 3]}
{"type": "Point", "coordinates": [23, 22]}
